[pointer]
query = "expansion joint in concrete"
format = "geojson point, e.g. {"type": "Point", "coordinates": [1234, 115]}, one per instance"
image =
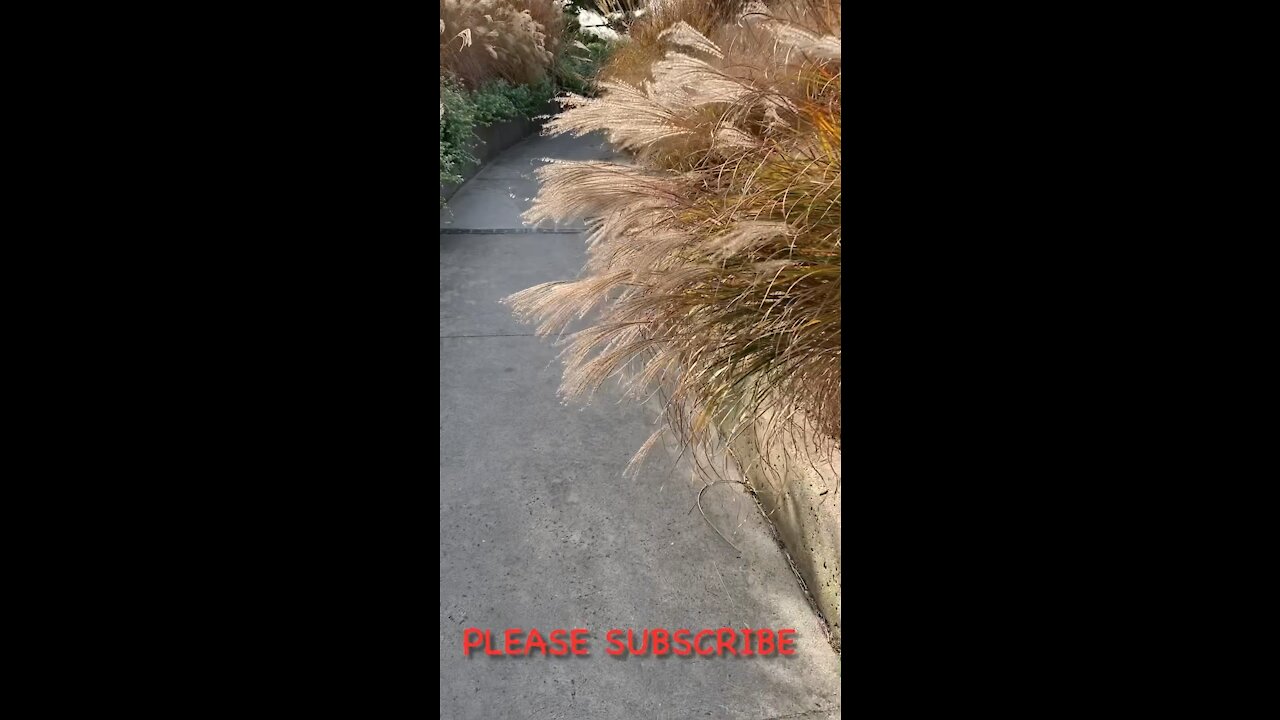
{"type": "Point", "coordinates": [450, 337]}
{"type": "Point", "coordinates": [511, 231]}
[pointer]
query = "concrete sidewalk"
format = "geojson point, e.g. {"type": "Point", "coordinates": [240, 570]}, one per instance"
{"type": "Point", "coordinates": [538, 528]}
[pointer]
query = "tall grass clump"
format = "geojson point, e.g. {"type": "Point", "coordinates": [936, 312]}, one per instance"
{"type": "Point", "coordinates": [714, 254]}
{"type": "Point", "coordinates": [512, 40]}
{"type": "Point", "coordinates": [632, 61]}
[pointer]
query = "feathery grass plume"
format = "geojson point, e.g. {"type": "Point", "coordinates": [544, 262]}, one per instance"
{"type": "Point", "coordinates": [631, 118]}
{"type": "Point", "coordinates": [632, 61]}
{"type": "Point", "coordinates": [512, 40]}
{"type": "Point", "coordinates": [714, 255]}
{"type": "Point", "coordinates": [682, 33]}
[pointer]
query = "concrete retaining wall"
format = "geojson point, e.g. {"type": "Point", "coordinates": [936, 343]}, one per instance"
{"type": "Point", "coordinates": [797, 486]}
{"type": "Point", "coordinates": [492, 140]}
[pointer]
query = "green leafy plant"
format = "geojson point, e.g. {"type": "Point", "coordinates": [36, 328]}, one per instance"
{"type": "Point", "coordinates": [499, 100]}
{"type": "Point", "coordinates": [457, 119]}
{"type": "Point", "coordinates": [579, 64]}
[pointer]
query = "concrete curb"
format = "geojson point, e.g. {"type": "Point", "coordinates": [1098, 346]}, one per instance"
{"type": "Point", "coordinates": [797, 488]}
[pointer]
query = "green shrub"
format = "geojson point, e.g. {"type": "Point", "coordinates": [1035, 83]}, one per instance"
{"type": "Point", "coordinates": [498, 101]}
{"type": "Point", "coordinates": [578, 65]}
{"type": "Point", "coordinates": [457, 119]}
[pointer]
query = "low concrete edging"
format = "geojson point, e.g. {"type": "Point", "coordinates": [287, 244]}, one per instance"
{"type": "Point", "coordinates": [797, 486]}
{"type": "Point", "coordinates": [491, 140]}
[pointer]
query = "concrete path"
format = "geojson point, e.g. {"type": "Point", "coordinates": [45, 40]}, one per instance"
{"type": "Point", "coordinates": [538, 528]}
